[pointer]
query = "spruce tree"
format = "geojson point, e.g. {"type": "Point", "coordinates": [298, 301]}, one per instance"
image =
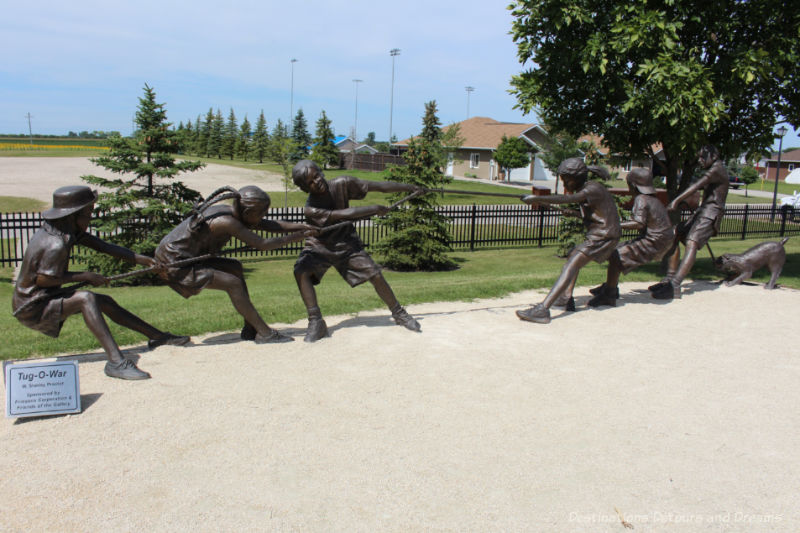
{"type": "Point", "coordinates": [325, 153]}
{"type": "Point", "coordinates": [300, 136]}
{"type": "Point", "coordinates": [261, 138]}
{"type": "Point", "coordinates": [205, 134]}
{"type": "Point", "coordinates": [418, 238]}
{"type": "Point", "coordinates": [146, 201]}
{"type": "Point", "coordinates": [243, 140]}
{"type": "Point", "coordinates": [215, 135]}
{"type": "Point", "coordinates": [230, 134]}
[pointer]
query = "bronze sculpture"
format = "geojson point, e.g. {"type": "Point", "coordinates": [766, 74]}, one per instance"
{"type": "Point", "coordinates": [206, 232]}
{"type": "Point", "coordinates": [649, 216]}
{"type": "Point", "coordinates": [599, 213]}
{"type": "Point", "coordinates": [741, 267]}
{"type": "Point", "coordinates": [39, 301]}
{"type": "Point", "coordinates": [700, 227]}
{"type": "Point", "coordinates": [329, 204]}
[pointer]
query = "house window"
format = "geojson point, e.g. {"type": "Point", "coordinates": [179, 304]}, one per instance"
{"type": "Point", "coordinates": [474, 160]}
{"type": "Point", "coordinates": [628, 165]}
{"type": "Point", "coordinates": [791, 167]}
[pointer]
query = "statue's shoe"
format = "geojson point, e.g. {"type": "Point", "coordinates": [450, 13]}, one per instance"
{"type": "Point", "coordinates": [402, 318]}
{"type": "Point", "coordinates": [317, 329]}
{"type": "Point", "coordinates": [274, 336]}
{"type": "Point", "coordinates": [125, 369]}
{"type": "Point", "coordinates": [168, 338]}
{"type": "Point", "coordinates": [538, 313]}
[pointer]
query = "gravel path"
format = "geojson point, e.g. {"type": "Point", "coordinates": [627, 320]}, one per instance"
{"type": "Point", "coordinates": [38, 177]}
{"type": "Point", "coordinates": [677, 416]}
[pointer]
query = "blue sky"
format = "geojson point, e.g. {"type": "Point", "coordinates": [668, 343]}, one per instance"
{"type": "Point", "coordinates": [82, 65]}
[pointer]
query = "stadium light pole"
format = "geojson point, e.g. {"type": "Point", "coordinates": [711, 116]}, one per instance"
{"type": "Point", "coordinates": [781, 132]}
{"type": "Point", "coordinates": [355, 124]}
{"type": "Point", "coordinates": [469, 89]}
{"type": "Point", "coordinates": [291, 94]}
{"type": "Point", "coordinates": [394, 52]}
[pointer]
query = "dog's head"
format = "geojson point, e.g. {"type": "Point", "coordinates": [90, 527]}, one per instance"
{"type": "Point", "coordinates": [726, 263]}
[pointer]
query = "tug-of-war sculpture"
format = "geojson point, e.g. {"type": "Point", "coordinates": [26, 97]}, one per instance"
{"type": "Point", "coordinates": [189, 258]}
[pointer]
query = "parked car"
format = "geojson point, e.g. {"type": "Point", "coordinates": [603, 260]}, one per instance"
{"type": "Point", "coordinates": [734, 182]}
{"type": "Point", "coordinates": [790, 206]}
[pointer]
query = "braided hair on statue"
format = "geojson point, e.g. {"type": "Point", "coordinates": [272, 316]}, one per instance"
{"type": "Point", "coordinates": [219, 195]}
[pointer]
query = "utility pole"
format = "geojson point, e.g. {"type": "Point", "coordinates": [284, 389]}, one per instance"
{"type": "Point", "coordinates": [469, 89]}
{"type": "Point", "coordinates": [30, 133]}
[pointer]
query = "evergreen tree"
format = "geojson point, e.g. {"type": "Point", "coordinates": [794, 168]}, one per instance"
{"type": "Point", "coordinates": [215, 134]}
{"type": "Point", "coordinates": [229, 135]}
{"type": "Point", "coordinates": [325, 153]}
{"type": "Point", "coordinates": [187, 138]}
{"type": "Point", "coordinates": [261, 138]}
{"type": "Point", "coordinates": [200, 137]}
{"type": "Point", "coordinates": [243, 141]}
{"type": "Point", "coordinates": [300, 136]}
{"type": "Point", "coordinates": [418, 238]}
{"type": "Point", "coordinates": [369, 140]}
{"type": "Point", "coordinates": [208, 127]}
{"type": "Point", "coordinates": [145, 202]}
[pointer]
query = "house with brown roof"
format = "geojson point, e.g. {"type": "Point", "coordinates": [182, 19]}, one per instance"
{"type": "Point", "coordinates": [482, 135]}
{"type": "Point", "coordinates": [790, 160]}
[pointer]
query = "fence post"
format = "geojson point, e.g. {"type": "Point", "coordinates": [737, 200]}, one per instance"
{"type": "Point", "coordinates": [472, 229]}
{"type": "Point", "coordinates": [783, 221]}
{"type": "Point", "coordinates": [541, 225]}
{"type": "Point", "coordinates": [744, 222]}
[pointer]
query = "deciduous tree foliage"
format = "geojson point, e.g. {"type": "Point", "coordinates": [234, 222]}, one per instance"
{"type": "Point", "coordinates": [512, 153]}
{"type": "Point", "coordinates": [418, 238]}
{"type": "Point", "coordinates": [679, 73]}
{"type": "Point", "coordinates": [146, 193]}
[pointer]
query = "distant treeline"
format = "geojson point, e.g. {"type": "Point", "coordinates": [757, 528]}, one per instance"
{"type": "Point", "coordinates": [54, 140]}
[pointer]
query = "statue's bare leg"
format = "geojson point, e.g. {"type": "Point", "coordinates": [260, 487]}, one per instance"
{"type": "Point", "coordinates": [317, 328]}
{"type": "Point", "coordinates": [87, 304]}
{"type": "Point", "coordinates": [541, 312]}
{"type": "Point", "coordinates": [401, 317]}
{"type": "Point", "coordinates": [237, 291]}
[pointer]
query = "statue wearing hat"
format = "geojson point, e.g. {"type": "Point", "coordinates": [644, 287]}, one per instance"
{"type": "Point", "coordinates": [599, 213]}
{"type": "Point", "coordinates": [649, 216]}
{"type": "Point", "coordinates": [40, 303]}
{"type": "Point", "coordinates": [207, 231]}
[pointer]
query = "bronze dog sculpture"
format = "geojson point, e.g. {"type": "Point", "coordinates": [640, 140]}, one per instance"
{"type": "Point", "coordinates": [740, 267]}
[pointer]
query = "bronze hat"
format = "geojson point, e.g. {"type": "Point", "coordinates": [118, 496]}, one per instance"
{"type": "Point", "coordinates": [642, 179]}
{"type": "Point", "coordinates": [68, 200]}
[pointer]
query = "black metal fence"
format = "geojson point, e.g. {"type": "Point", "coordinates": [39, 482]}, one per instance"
{"type": "Point", "coordinates": [472, 227]}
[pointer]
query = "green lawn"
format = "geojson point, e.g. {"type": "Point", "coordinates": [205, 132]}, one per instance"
{"type": "Point", "coordinates": [15, 204]}
{"type": "Point", "coordinates": [482, 274]}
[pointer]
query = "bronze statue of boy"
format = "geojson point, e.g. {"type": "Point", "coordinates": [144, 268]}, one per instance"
{"type": "Point", "coordinates": [40, 303]}
{"type": "Point", "coordinates": [649, 216]}
{"type": "Point", "coordinates": [700, 227]}
{"type": "Point", "coordinates": [329, 203]}
{"type": "Point", "coordinates": [599, 213]}
{"type": "Point", "coordinates": [206, 232]}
